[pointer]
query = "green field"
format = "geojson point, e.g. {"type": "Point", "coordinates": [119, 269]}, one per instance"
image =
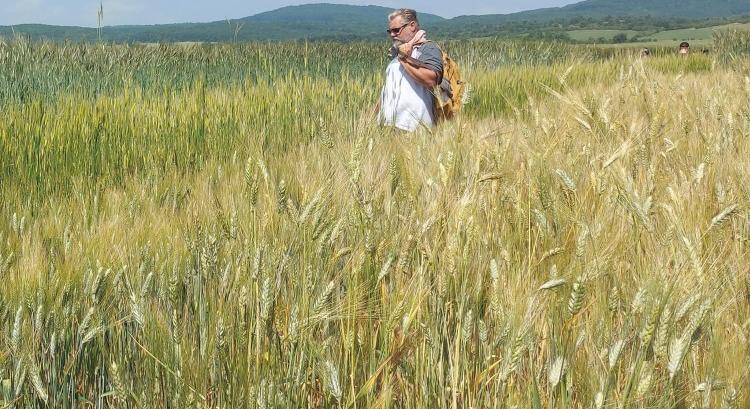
{"type": "Point", "coordinates": [700, 34]}
{"type": "Point", "coordinates": [698, 37]}
{"type": "Point", "coordinates": [592, 35]}
{"type": "Point", "coordinates": [226, 226]}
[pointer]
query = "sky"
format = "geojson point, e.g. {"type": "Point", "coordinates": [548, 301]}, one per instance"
{"type": "Point", "coordinates": [119, 12]}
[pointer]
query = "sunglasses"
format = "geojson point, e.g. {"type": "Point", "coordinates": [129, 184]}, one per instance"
{"type": "Point", "coordinates": [396, 31]}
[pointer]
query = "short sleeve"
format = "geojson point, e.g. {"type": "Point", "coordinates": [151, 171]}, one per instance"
{"type": "Point", "coordinates": [431, 57]}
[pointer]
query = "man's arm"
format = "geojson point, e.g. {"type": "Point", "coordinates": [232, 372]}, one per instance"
{"type": "Point", "coordinates": [425, 76]}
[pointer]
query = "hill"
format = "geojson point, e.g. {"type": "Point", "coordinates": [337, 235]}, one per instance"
{"type": "Point", "coordinates": [311, 21]}
{"type": "Point", "coordinates": [692, 9]}
{"type": "Point", "coordinates": [684, 9]}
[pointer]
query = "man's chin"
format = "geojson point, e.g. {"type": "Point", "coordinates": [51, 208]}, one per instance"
{"type": "Point", "coordinates": [397, 43]}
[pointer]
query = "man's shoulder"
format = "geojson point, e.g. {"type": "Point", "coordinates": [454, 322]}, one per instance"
{"type": "Point", "coordinates": [429, 53]}
{"type": "Point", "coordinates": [430, 48]}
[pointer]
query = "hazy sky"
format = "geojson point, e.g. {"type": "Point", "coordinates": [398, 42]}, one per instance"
{"type": "Point", "coordinates": [116, 12]}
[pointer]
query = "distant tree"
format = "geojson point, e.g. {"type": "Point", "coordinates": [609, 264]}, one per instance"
{"type": "Point", "coordinates": [620, 38]}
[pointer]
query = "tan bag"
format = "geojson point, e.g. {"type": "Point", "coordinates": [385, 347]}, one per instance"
{"type": "Point", "coordinates": [449, 102]}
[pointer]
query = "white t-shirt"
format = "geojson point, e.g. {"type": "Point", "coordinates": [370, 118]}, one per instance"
{"type": "Point", "coordinates": [404, 103]}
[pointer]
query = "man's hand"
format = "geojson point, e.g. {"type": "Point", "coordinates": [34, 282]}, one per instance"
{"type": "Point", "coordinates": [405, 50]}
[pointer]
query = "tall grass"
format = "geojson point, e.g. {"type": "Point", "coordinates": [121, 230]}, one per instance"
{"type": "Point", "coordinates": [48, 70]}
{"type": "Point", "coordinates": [261, 244]}
{"type": "Point", "coordinates": [734, 49]}
{"type": "Point", "coordinates": [77, 114]}
{"type": "Point", "coordinates": [732, 44]}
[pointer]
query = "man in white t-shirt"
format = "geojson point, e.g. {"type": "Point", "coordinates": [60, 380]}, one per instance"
{"type": "Point", "coordinates": [415, 67]}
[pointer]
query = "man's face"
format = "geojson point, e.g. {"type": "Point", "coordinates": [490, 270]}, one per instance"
{"type": "Point", "coordinates": [400, 31]}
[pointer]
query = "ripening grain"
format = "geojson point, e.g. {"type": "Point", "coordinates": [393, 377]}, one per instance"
{"type": "Point", "coordinates": [173, 237]}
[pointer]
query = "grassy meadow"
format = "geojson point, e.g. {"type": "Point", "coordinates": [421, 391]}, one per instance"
{"type": "Point", "coordinates": [220, 226]}
{"type": "Point", "coordinates": [699, 38]}
{"type": "Point", "coordinates": [593, 35]}
{"type": "Point", "coordinates": [701, 35]}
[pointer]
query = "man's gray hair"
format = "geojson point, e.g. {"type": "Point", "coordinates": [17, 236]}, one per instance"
{"type": "Point", "coordinates": [408, 15]}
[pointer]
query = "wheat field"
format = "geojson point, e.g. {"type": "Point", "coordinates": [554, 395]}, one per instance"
{"type": "Point", "coordinates": [224, 226]}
